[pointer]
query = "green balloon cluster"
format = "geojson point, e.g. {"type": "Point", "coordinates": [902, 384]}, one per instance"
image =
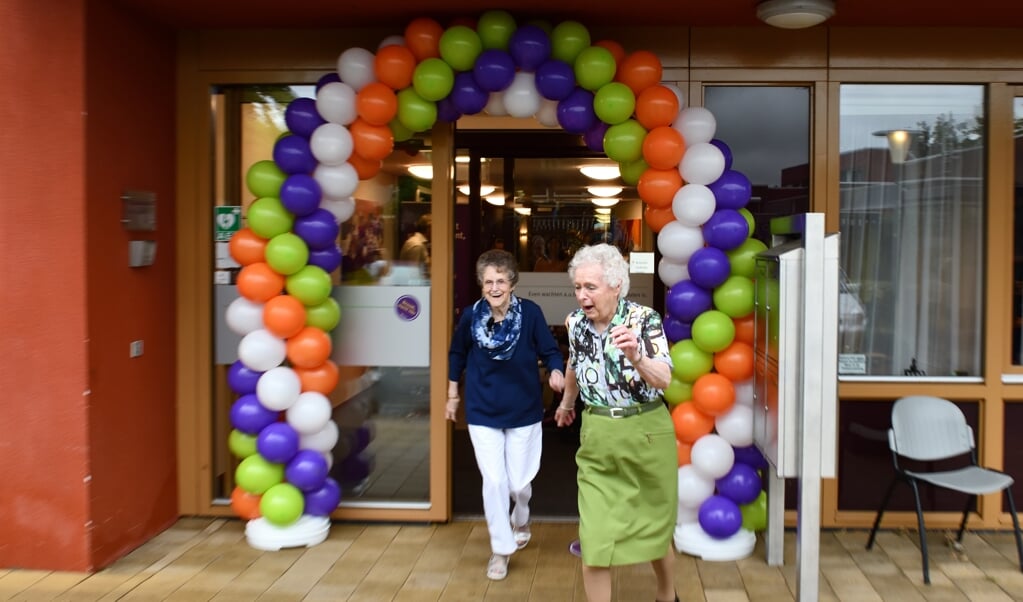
{"type": "Point", "coordinates": [268, 218]}
{"type": "Point", "coordinates": [568, 39]}
{"type": "Point", "coordinates": [282, 504]}
{"type": "Point", "coordinates": [415, 112]}
{"type": "Point", "coordinates": [734, 296]}
{"type": "Point", "coordinates": [433, 79]}
{"type": "Point", "coordinates": [623, 142]}
{"type": "Point", "coordinates": [713, 331]}
{"type": "Point", "coordinates": [495, 28]}
{"type": "Point", "coordinates": [310, 285]}
{"type": "Point", "coordinates": [287, 253]}
{"type": "Point", "coordinates": [324, 316]}
{"type": "Point", "coordinates": [242, 445]}
{"type": "Point", "coordinates": [264, 178]}
{"type": "Point", "coordinates": [459, 47]}
{"type": "Point", "coordinates": [678, 392]}
{"type": "Point", "coordinates": [632, 171]}
{"type": "Point", "coordinates": [256, 475]}
{"type": "Point", "coordinates": [400, 132]}
{"type": "Point", "coordinates": [594, 67]}
{"type": "Point", "coordinates": [614, 103]}
{"type": "Point", "coordinates": [743, 258]}
{"type": "Point", "coordinates": [689, 361]}
{"type": "Point", "coordinates": [754, 514]}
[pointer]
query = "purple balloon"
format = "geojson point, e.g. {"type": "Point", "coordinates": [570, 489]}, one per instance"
{"type": "Point", "coordinates": [277, 442]}
{"type": "Point", "coordinates": [447, 112]}
{"type": "Point", "coordinates": [300, 194]}
{"type": "Point", "coordinates": [726, 229]}
{"type": "Point", "coordinates": [594, 137]}
{"type": "Point", "coordinates": [732, 190]}
{"type": "Point", "coordinates": [529, 47]}
{"type": "Point", "coordinates": [555, 80]}
{"type": "Point", "coordinates": [750, 456]}
{"type": "Point", "coordinates": [327, 78]}
{"type": "Point", "coordinates": [741, 485]}
{"type": "Point", "coordinates": [302, 118]}
{"type": "Point", "coordinates": [686, 300]}
{"type": "Point", "coordinates": [293, 155]}
{"type": "Point", "coordinates": [318, 229]}
{"type": "Point", "coordinates": [357, 467]}
{"type": "Point", "coordinates": [709, 267]}
{"type": "Point", "coordinates": [677, 330]}
{"type": "Point", "coordinates": [720, 517]}
{"type": "Point", "coordinates": [575, 113]}
{"type": "Point", "coordinates": [727, 152]}
{"type": "Point", "coordinates": [363, 436]}
{"type": "Point", "coordinates": [241, 378]}
{"type": "Point", "coordinates": [494, 70]}
{"type": "Point", "coordinates": [324, 500]}
{"type": "Point", "coordinates": [249, 416]}
{"type": "Point", "coordinates": [328, 259]}
{"type": "Point", "coordinates": [466, 95]}
{"type": "Point", "coordinates": [307, 470]}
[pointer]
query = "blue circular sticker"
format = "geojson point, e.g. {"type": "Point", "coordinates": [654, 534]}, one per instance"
{"type": "Point", "coordinates": [407, 307]}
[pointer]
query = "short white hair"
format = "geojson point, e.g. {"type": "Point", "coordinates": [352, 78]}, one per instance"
{"type": "Point", "coordinates": [611, 262]}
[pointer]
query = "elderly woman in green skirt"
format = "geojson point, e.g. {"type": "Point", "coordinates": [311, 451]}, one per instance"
{"type": "Point", "coordinates": [627, 459]}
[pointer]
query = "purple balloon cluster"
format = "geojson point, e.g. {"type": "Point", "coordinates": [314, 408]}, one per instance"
{"type": "Point", "coordinates": [721, 515]}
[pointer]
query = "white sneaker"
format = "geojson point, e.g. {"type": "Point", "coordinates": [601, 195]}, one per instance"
{"type": "Point", "coordinates": [522, 535]}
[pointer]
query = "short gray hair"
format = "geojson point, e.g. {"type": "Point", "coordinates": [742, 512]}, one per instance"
{"type": "Point", "coordinates": [611, 262]}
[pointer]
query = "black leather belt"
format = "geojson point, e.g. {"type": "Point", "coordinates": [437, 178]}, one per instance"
{"type": "Point", "coordinates": [624, 411]}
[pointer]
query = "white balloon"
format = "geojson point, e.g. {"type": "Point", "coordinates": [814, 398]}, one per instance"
{"type": "Point", "coordinates": [336, 102]}
{"type": "Point", "coordinates": [712, 456]}
{"type": "Point", "coordinates": [696, 124]}
{"type": "Point", "coordinates": [693, 204]}
{"type": "Point", "coordinates": [495, 105]}
{"type": "Point", "coordinates": [678, 94]}
{"type": "Point", "coordinates": [678, 242]}
{"type": "Point", "coordinates": [337, 181]}
{"type": "Point", "coordinates": [310, 413]}
{"type": "Point", "coordinates": [392, 40]}
{"type": "Point", "coordinates": [736, 426]}
{"type": "Point", "coordinates": [323, 440]}
{"type": "Point", "coordinates": [260, 350]}
{"type": "Point", "coordinates": [693, 487]}
{"type": "Point", "coordinates": [521, 99]}
{"type": "Point", "coordinates": [687, 515]}
{"type": "Point", "coordinates": [672, 272]}
{"type": "Point", "coordinates": [548, 113]}
{"type": "Point", "coordinates": [343, 209]}
{"type": "Point", "coordinates": [331, 144]}
{"type": "Point", "coordinates": [244, 316]}
{"type": "Point", "coordinates": [702, 163]}
{"type": "Point", "coordinates": [355, 66]}
{"type": "Point", "coordinates": [278, 388]}
{"type": "Point", "coordinates": [329, 457]}
{"type": "Point", "coordinates": [744, 392]}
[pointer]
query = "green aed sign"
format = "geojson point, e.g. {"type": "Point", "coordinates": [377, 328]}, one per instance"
{"type": "Point", "coordinates": [226, 221]}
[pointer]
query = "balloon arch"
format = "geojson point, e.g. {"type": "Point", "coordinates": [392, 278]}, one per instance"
{"type": "Point", "coordinates": [282, 428]}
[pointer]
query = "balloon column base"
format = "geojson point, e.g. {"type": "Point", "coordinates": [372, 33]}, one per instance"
{"type": "Point", "coordinates": [690, 538]}
{"type": "Point", "coordinates": [307, 531]}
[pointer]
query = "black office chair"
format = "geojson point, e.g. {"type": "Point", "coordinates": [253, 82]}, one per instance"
{"type": "Point", "coordinates": [927, 429]}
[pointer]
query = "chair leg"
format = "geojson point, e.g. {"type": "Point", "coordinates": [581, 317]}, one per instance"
{"type": "Point", "coordinates": [971, 502]}
{"type": "Point", "coordinates": [880, 512]}
{"type": "Point", "coordinates": [923, 531]}
{"type": "Point", "coordinates": [1015, 526]}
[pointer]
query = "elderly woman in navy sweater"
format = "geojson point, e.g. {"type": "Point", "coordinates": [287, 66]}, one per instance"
{"type": "Point", "coordinates": [496, 345]}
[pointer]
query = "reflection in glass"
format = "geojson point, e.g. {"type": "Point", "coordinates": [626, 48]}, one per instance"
{"type": "Point", "coordinates": [1017, 264]}
{"type": "Point", "coordinates": [912, 223]}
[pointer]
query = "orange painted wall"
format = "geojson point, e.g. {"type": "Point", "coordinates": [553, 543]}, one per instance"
{"type": "Point", "coordinates": [87, 440]}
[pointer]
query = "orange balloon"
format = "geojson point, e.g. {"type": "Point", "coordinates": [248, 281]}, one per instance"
{"type": "Point", "coordinates": [713, 394]}
{"type": "Point", "coordinates": [735, 362]}
{"type": "Point", "coordinates": [321, 379]}
{"type": "Point", "coordinates": [690, 422]}
{"type": "Point", "coordinates": [422, 36]}
{"type": "Point", "coordinates": [663, 148]}
{"type": "Point", "coordinates": [658, 218]}
{"type": "Point", "coordinates": [259, 282]}
{"type": "Point", "coordinates": [365, 168]}
{"type": "Point", "coordinates": [247, 247]}
{"type": "Point", "coordinates": [309, 348]}
{"type": "Point", "coordinates": [394, 66]}
{"type": "Point", "coordinates": [657, 187]}
{"type": "Point", "coordinates": [656, 106]}
{"type": "Point", "coordinates": [685, 452]}
{"type": "Point", "coordinates": [639, 71]}
{"type": "Point", "coordinates": [376, 104]}
{"type": "Point", "coordinates": [616, 49]}
{"type": "Point", "coordinates": [284, 316]}
{"type": "Point", "coordinates": [245, 504]}
{"type": "Point", "coordinates": [370, 141]}
{"type": "Point", "coordinates": [744, 329]}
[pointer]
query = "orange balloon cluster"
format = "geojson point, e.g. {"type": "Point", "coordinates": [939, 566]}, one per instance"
{"type": "Point", "coordinates": [656, 106]}
{"type": "Point", "coordinates": [284, 316]}
{"type": "Point", "coordinates": [658, 186]}
{"type": "Point", "coordinates": [244, 504]}
{"type": "Point", "coordinates": [639, 71]}
{"type": "Point", "coordinates": [713, 394]}
{"type": "Point", "coordinates": [690, 422]}
{"type": "Point", "coordinates": [309, 348]}
{"type": "Point", "coordinates": [394, 66]}
{"type": "Point", "coordinates": [422, 36]}
{"type": "Point", "coordinates": [376, 103]}
{"type": "Point", "coordinates": [735, 362]}
{"type": "Point", "coordinates": [663, 148]}
{"type": "Point", "coordinates": [371, 142]}
{"type": "Point", "coordinates": [321, 379]}
{"type": "Point", "coordinates": [247, 247]}
{"type": "Point", "coordinates": [259, 282]}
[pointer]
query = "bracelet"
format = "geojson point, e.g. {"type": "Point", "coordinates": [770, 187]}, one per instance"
{"type": "Point", "coordinates": [567, 409]}
{"type": "Point", "coordinates": [450, 397]}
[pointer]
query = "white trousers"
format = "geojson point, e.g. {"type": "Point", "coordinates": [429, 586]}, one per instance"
{"type": "Point", "coordinates": [508, 460]}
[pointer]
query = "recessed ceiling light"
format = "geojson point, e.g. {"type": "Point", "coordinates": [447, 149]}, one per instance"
{"type": "Point", "coordinates": [485, 189]}
{"type": "Point", "coordinates": [600, 172]}
{"type": "Point", "coordinates": [795, 14]}
{"type": "Point", "coordinates": [423, 171]}
{"type": "Point", "coordinates": [604, 201]}
{"type": "Point", "coordinates": [495, 199]}
{"type": "Point", "coordinates": [604, 190]}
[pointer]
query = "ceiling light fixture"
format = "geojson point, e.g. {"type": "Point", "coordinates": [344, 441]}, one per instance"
{"type": "Point", "coordinates": [423, 171]}
{"type": "Point", "coordinates": [795, 14]}
{"type": "Point", "coordinates": [604, 201]}
{"type": "Point", "coordinates": [604, 190]}
{"type": "Point", "coordinates": [524, 210]}
{"type": "Point", "coordinates": [496, 200]}
{"type": "Point", "coordinates": [485, 189]}
{"type": "Point", "coordinates": [602, 211]}
{"type": "Point", "coordinates": [600, 172]}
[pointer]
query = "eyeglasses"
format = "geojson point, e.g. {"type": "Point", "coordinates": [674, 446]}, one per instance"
{"type": "Point", "coordinates": [502, 283]}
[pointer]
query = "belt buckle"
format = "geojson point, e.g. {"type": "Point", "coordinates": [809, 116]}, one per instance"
{"type": "Point", "coordinates": [616, 412]}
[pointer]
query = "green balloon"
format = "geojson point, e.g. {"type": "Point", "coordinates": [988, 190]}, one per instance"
{"type": "Point", "coordinates": [689, 361]}
{"type": "Point", "coordinates": [623, 142]}
{"type": "Point", "coordinates": [459, 47]}
{"type": "Point", "coordinates": [614, 103]}
{"type": "Point", "coordinates": [282, 504]}
{"type": "Point", "coordinates": [242, 445]}
{"type": "Point", "coordinates": [433, 79]}
{"type": "Point", "coordinates": [749, 219]}
{"type": "Point", "coordinates": [324, 316]}
{"type": "Point", "coordinates": [744, 257]}
{"type": "Point", "coordinates": [264, 178]}
{"type": "Point", "coordinates": [495, 28]}
{"type": "Point", "coordinates": [678, 392]}
{"type": "Point", "coordinates": [415, 112]}
{"type": "Point", "coordinates": [754, 514]}
{"type": "Point", "coordinates": [632, 171]}
{"type": "Point", "coordinates": [401, 133]}
{"type": "Point", "coordinates": [256, 475]}
{"type": "Point", "coordinates": [734, 296]}
{"type": "Point", "coordinates": [568, 39]}
{"type": "Point", "coordinates": [267, 217]}
{"type": "Point", "coordinates": [594, 68]}
{"type": "Point", "coordinates": [713, 331]}
{"type": "Point", "coordinates": [287, 253]}
{"type": "Point", "coordinates": [310, 285]}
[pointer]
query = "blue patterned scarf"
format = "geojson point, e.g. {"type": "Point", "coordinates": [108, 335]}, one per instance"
{"type": "Point", "coordinates": [497, 339]}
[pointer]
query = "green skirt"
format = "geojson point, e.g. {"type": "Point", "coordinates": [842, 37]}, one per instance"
{"type": "Point", "coordinates": [628, 488]}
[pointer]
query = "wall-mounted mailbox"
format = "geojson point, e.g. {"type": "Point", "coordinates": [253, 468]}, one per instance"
{"type": "Point", "coordinates": [138, 211]}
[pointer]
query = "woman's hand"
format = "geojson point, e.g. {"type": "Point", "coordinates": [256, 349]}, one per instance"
{"type": "Point", "coordinates": [556, 380]}
{"type": "Point", "coordinates": [628, 342]}
{"type": "Point", "coordinates": [564, 416]}
{"type": "Point", "coordinates": [451, 408]}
